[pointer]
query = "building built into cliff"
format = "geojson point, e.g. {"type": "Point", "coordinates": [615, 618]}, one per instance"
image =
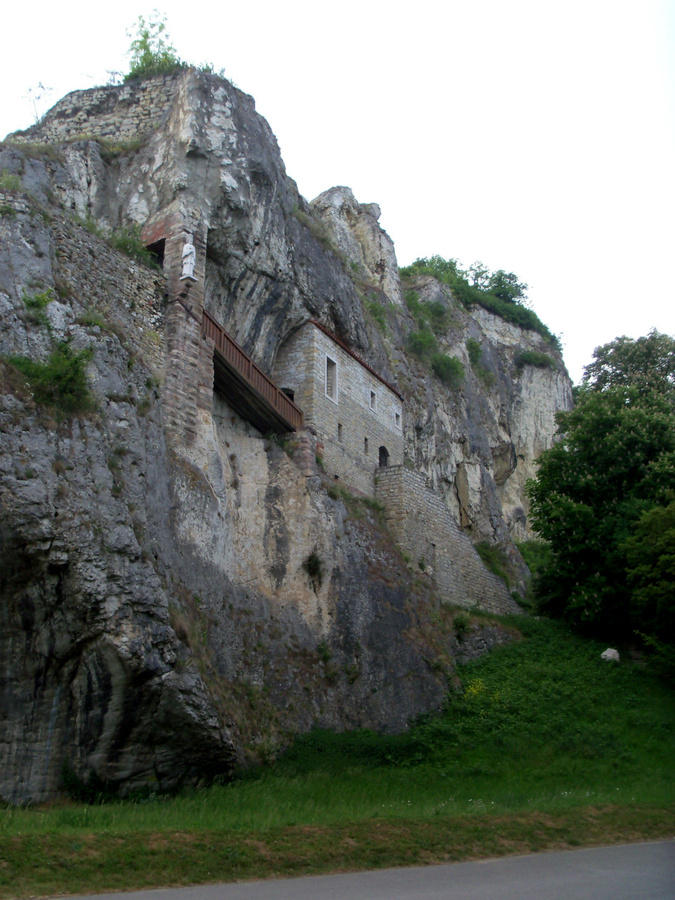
{"type": "Point", "coordinates": [356, 414]}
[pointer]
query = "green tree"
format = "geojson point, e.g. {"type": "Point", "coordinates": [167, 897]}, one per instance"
{"type": "Point", "coordinates": [645, 364]}
{"type": "Point", "coordinates": [615, 461]}
{"type": "Point", "coordinates": [506, 286]}
{"type": "Point", "coordinates": [151, 52]}
{"type": "Point", "coordinates": [650, 557]}
{"type": "Point", "coordinates": [480, 276]}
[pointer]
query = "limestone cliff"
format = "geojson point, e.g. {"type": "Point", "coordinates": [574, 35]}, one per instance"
{"type": "Point", "coordinates": [477, 444]}
{"type": "Point", "coordinates": [177, 592]}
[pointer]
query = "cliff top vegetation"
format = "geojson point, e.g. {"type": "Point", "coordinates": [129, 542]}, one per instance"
{"type": "Point", "coordinates": [499, 292]}
{"type": "Point", "coordinates": [152, 53]}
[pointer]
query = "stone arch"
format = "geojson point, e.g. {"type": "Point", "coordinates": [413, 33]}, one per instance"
{"type": "Point", "coordinates": [383, 457]}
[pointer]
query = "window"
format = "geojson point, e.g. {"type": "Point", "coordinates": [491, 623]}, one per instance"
{"type": "Point", "coordinates": [339, 431]}
{"type": "Point", "coordinates": [383, 457]}
{"type": "Point", "coordinates": [365, 445]}
{"type": "Point", "coordinates": [398, 420]}
{"type": "Point", "coordinates": [373, 400]}
{"type": "Point", "coordinates": [331, 378]}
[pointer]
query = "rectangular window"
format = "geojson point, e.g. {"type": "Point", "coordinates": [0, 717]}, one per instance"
{"type": "Point", "coordinates": [373, 400]}
{"type": "Point", "coordinates": [339, 431]}
{"type": "Point", "coordinates": [331, 378]}
{"type": "Point", "coordinates": [398, 420]}
{"type": "Point", "coordinates": [365, 445]}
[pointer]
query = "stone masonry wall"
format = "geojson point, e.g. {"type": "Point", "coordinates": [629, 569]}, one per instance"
{"type": "Point", "coordinates": [167, 311]}
{"type": "Point", "coordinates": [425, 529]}
{"type": "Point", "coordinates": [293, 369]}
{"type": "Point", "coordinates": [87, 268]}
{"type": "Point", "coordinates": [119, 113]}
{"type": "Point", "coordinates": [347, 421]}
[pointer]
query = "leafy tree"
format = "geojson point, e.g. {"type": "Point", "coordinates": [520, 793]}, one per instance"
{"type": "Point", "coordinates": [614, 462]}
{"type": "Point", "coordinates": [645, 364]}
{"type": "Point", "coordinates": [506, 286]}
{"type": "Point", "coordinates": [480, 276]}
{"type": "Point", "coordinates": [650, 557]}
{"type": "Point", "coordinates": [151, 52]}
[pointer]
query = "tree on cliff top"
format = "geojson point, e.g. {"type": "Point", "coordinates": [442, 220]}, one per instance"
{"type": "Point", "coordinates": [499, 292]}
{"type": "Point", "coordinates": [151, 52]}
{"type": "Point", "coordinates": [596, 490]}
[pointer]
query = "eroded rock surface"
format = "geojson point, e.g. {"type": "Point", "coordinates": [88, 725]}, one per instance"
{"type": "Point", "coordinates": [162, 618]}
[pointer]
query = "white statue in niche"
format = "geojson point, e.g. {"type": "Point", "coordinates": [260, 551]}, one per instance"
{"type": "Point", "coordinates": [188, 259]}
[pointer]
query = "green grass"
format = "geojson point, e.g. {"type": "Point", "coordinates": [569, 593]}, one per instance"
{"type": "Point", "coordinates": [9, 181]}
{"type": "Point", "coordinates": [90, 862]}
{"type": "Point", "coordinates": [546, 746]}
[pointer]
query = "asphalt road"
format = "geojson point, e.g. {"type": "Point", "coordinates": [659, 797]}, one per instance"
{"type": "Point", "coordinates": [628, 872]}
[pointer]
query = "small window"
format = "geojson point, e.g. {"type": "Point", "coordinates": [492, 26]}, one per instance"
{"type": "Point", "coordinates": [289, 393]}
{"type": "Point", "coordinates": [339, 431]}
{"type": "Point", "coordinates": [331, 378]}
{"type": "Point", "coordinates": [398, 420]}
{"type": "Point", "coordinates": [365, 445]}
{"type": "Point", "coordinates": [373, 400]}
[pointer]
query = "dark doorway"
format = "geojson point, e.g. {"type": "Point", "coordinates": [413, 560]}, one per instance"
{"type": "Point", "coordinates": [384, 457]}
{"type": "Point", "coordinates": [156, 250]}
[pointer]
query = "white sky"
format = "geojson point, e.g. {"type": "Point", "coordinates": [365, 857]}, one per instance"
{"type": "Point", "coordinates": [535, 136]}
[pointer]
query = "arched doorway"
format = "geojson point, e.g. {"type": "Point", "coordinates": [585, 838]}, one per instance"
{"type": "Point", "coordinates": [383, 457]}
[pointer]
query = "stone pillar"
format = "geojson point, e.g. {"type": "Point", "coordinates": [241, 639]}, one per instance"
{"type": "Point", "coordinates": [188, 383]}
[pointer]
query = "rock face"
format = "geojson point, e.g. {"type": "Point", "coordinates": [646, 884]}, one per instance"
{"type": "Point", "coordinates": [178, 592]}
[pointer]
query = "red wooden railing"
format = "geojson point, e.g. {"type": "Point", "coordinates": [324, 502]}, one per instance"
{"type": "Point", "coordinates": [251, 372]}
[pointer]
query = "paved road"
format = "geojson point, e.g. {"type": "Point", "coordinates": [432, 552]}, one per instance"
{"type": "Point", "coordinates": [628, 872]}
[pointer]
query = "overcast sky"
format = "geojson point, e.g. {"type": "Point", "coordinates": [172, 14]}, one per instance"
{"type": "Point", "coordinates": [536, 137]}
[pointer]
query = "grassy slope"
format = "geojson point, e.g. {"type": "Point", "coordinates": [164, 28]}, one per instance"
{"type": "Point", "coordinates": [548, 746]}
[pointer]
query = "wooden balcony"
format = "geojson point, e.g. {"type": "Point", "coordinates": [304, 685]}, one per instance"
{"type": "Point", "coordinates": [246, 387]}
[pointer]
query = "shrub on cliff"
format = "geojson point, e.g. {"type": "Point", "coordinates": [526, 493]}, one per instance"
{"type": "Point", "coordinates": [422, 343]}
{"type": "Point", "coordinates": [151, 52]}
{"type": "Point", "coordinates": [129, 242]}
{"type": "Point", "coordinates": [60, 382]}
{"type": "Point", "coordinates": [448, 369]}
{"type": "Point", "coordinates": [533, 358]}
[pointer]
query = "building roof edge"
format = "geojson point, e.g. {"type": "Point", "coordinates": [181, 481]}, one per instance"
{"type": "Point", "coordinates": [348, 350]}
